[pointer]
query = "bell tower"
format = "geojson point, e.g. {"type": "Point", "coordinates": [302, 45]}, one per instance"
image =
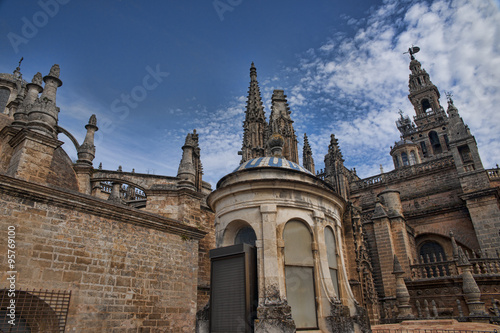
{"type": "Point", "coordinates": [430, 132]}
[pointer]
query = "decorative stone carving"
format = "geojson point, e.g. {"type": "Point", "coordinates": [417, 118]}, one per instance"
{"type": "Point", "coordinates": [37, 79]}
{"type": "Point", "coordinates": [55, 70]}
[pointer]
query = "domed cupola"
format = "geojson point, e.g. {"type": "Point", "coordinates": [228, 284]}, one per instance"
{"type": "Point", "coordinates": [291, 217]}
{"type": "Point", "coordinates": [405, 153]}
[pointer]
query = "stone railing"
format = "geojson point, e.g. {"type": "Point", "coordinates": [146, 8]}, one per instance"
{"type": "Point", "coordinates": [403, 172]}
{"type": "Point", "coordinates": [127, 192]}
{"type": "Point", "coordinates": [430, 268]}
{"type": "Point", "coordinates": [493, 174]}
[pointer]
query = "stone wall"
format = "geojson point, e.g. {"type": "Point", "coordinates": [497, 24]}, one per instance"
{"type": "Point", "coordinates": [127, 270]}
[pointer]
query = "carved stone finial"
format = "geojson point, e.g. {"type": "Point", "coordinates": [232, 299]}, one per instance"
{"type": "Point", "coordinates": [462, 258]}
{"type": "Point", "coordinates": [37, 79]}
{"type": "Point", "coordinates": [55, 70]}
{"type": "Point", "coordinates": [275, 144]}
{"type": "Point", "coordinates": [93, 120]}
{"type": "Point", "coordinates": [397, 266]}
{"type": "Point", "coordinates": [100, 166]}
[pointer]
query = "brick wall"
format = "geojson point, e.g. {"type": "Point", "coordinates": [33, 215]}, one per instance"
{"type": "Point", "coordinates": [128, 271]}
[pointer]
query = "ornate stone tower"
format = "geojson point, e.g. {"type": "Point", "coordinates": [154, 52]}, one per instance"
{"type": "Point", "coordinates": [430, 131]}
{"type": "Point", "coordinates": [281, 123]}
{"type": "Point", "coordinates": [190, 168]}
{"type": "Point", "coordinates": [480, 197]}
{"type": "Point", "coordinates": [307, 159]}
{"type": "Point", "coordinates": [255, 125]}
{"type": "Point", "coordinates": [334, 169]}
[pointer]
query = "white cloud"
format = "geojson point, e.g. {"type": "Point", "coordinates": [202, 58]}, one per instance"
{"type": "Point", "coordinates": [364, 79]}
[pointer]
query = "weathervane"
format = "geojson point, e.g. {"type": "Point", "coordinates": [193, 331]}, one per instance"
{"type": "Point", "coordinates": [449, 96]}
{"type": "Point", "coordinates": [412, 50]}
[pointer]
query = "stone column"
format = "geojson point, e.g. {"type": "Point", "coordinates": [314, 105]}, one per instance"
{"type": "Point", "coordinates": [115, 193]}
{"type": "Point", "coordinates": [274, 315]}
{"type": "Point", "coordinates": [86, 154]}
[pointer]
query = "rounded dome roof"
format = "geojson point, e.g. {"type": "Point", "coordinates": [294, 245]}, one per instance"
{"type": "Point", "coordinates": [271, 162]}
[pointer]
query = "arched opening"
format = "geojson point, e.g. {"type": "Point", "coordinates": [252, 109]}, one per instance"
{"type": "Point", "coordinates": [32, 314]}
{"type": "Point", "coordinates": [245, 235]}
{"type": "Point", "coordinates": [331, 251]}
{"type": "Point", "coordinates": [396, 161]}
{"type": "Point", "coordinates": [424, 148]}
{"type": "Point", "coordinates": [404, 158]}
{"type": "Point", "coordinates": [426, 106]}
{"type": "Point", "coordinates": [299, 274]}
{"type": "Point", "coordinates": [4, 98]}
{"type": "Point", "coordinates": [413, 158]}
{"type": "Point", "coordinates": [431, 252]}
{"type": "Point", "coordinates": [436, 145]}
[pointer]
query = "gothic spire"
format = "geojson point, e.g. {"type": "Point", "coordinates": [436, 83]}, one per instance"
{"type": "Point", "coordinates": [307, 158]}
{"type": "Point", "coordinates": [336, 173]}
{"type": "Point", "coordinates": [280, 122]}
{"type": "Point", "coordinates": [254, 126]}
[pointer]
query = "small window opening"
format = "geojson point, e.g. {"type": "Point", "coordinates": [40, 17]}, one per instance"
{"type": "Point", "coordinates": [426, 106]}
{"type": "Point", "coordinates": [413, 158]}
{"type": "Point", "coordinates": [404, 157]}
{"type": "Point", "coordinates": [465, 154]}
{"type": "Point", "coordinates": [436, 145]}
{"type": "Point", "coordinates": [424, 148]}
{"type": "Point", "coordinates": [396, 162]}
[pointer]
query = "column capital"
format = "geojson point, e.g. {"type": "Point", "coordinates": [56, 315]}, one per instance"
{"type": "Point", "coordinates": [268, 209]}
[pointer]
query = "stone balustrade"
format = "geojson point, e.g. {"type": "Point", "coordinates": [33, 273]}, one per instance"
{"type": "Point", "coordinates": [401, 173]}
{"type": "Point", "coordinates": [430, 268]}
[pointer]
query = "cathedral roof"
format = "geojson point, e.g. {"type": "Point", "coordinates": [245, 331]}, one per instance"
{"type": "Point", "coordinates": [271, 162]}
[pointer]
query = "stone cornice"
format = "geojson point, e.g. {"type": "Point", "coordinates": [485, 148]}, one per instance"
{"type": "Point", "coordinates": [494, 191]}
{"type": "Point", "coordinates": [94, 206]}
{"type": "Point", "coordinates": [34, 136]}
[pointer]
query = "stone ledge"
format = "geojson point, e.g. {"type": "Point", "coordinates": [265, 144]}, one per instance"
{"type": "Point", "coordinates": [91, 205]}
{"type": "Point", "coordinates": [438, 324]}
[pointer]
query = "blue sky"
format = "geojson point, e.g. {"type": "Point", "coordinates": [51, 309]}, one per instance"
{"type": "Point", "coordinates": [152, 72]}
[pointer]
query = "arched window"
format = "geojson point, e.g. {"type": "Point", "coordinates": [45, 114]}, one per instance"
{"type": "Point", "coordinates": [331, 250]}
{"type": "Point", "coordinates": [299, 275]}
{"type": "Point", "coordinates": [436, 145]}
{"type": "Point", "coordinates": [404, 157]}
{"type": "Point", "coordinates": [424, 148]}
{"type": "Point", "coordinates": [426, 105]}
{"type": "Point", "coordinates": [433, 252]}
{"type": "Point", "coordinates": [396, 161]}
{"type": "Point", "coordinates": [413, 158]}
{"type": "Point", "coordinates": [4, 98]}
{"type": "Point", "coordinates": [245, 235]}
